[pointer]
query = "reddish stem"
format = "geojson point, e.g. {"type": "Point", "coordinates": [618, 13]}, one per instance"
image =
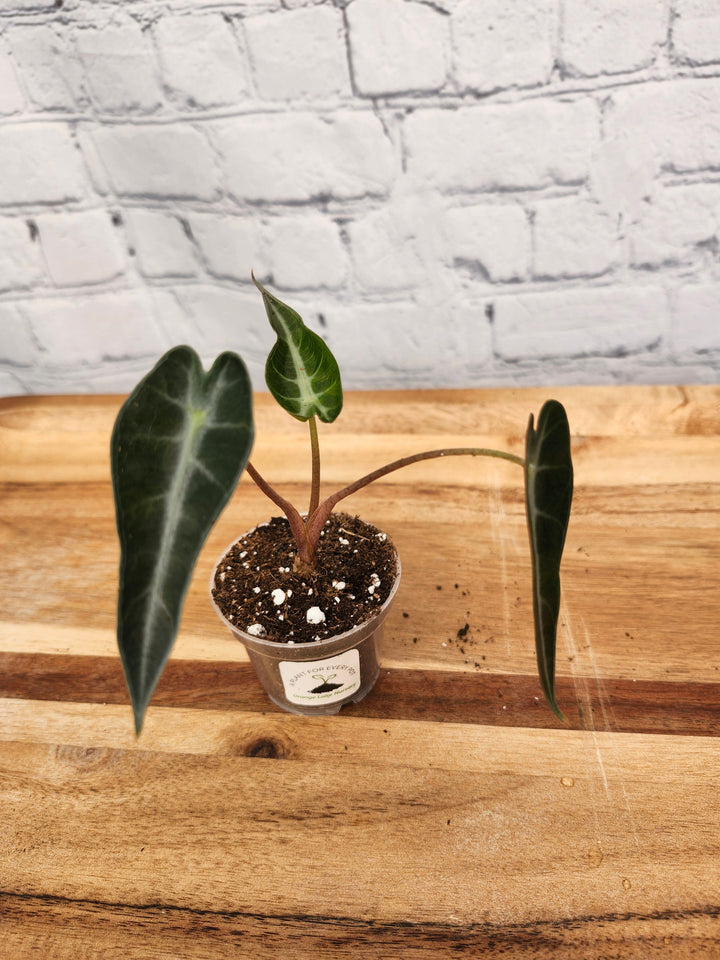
{"type": "Point", "coordinates": [317, 521]}
{"type": "Point", "coordinates": [297, 524]}
{"type": "Point", "coordinates": [307, 532]}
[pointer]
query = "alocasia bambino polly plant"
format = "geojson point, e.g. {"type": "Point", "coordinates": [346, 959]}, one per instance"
{"type": "Point", "coordinates": [182, 440]}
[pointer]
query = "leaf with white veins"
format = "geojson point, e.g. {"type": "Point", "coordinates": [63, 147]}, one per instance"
{"type": "Point", "coordinates": [180, 443]}
{"type": "Point", "coordinates": [301, 372]}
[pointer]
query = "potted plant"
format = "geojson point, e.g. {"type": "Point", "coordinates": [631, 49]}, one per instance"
{"type": "Point", "coordinates": [180, 444]}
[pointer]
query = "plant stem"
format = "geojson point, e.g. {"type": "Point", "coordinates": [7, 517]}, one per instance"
{"type": "Point", "coordinates": [297, 525]}
{"type": "Point", "coordinates": [315, 484]}
{"type": "Point", "coordinates": [307, 533]}
{"type": "Point", "coordinates": [316, 521]}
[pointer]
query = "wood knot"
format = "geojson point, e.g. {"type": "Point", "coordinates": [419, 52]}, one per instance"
{"type": "Point", "coordinates": [266, 747]}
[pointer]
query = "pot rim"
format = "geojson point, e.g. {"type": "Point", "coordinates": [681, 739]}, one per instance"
{"type": "Point", "coordinates": [313, 645]}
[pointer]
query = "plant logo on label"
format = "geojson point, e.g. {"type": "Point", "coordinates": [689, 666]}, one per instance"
{"type": "Point", "coordinates": [321, 681]}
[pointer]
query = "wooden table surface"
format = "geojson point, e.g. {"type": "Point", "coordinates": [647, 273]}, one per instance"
{"type": "Point", "coordinates": [447, 814]}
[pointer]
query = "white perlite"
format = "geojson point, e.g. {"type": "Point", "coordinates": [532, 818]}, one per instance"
{"type": "Point", "coordinates": [315, 615]}
{"type": "Point", "coordinates": [278, 597]}
{"type": "Point", "coordinates": [256, 630]}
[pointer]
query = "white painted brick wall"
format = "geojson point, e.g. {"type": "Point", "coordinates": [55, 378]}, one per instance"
{"type": "Point", "coordinates": [11, 98]}
{"type": "Point", "coordinates": [696, 31]}
{"type": "Point", "coordinates": [612, 36]}
{"type": "Point", "coordinates": [573, 238]}
{"type": "Point", "coordinates": [499, 44]}
{"type": "Point", "coordinates": [298, 54]}
{"type": "Point", "coordinates": [21, 263]}
{"type": "Point", "coordinates": [166, 160]}
{"type": "Point", "coordinates": [397, 47]}
{"type": "Point", "coordinates": [160, 243]}
{"type": "Point", "coordinates": [490, 237]}
{"type": "Point", "coordinates": [304, 157]}
{"type": "Point", "coordinates": [201, 63]}
{"type": "Point", "coordinates": [120, 67]}
{"type": "Point", "coordinates": [80, 248]}
{"type": "Point", "coordinates": [307, 251]}
{"type": "Point", "coordinates": [515, 146]}
{"type": "Point", "coordinates": [40, 164]}
{"type": "Point", "coordinates": [43, 55]}
{"type": "Point", "coordinates": [452, 193]}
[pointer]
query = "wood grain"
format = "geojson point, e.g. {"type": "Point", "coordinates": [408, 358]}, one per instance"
{"type": "Point", "coordinates": [628, 706]}
{"type": "Point", "coordinates": [448, 813]}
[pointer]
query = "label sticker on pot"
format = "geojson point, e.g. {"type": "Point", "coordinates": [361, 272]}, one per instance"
{"type": "Point", "coordinates": [321, 681]}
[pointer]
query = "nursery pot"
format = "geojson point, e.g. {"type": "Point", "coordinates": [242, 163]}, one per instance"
{"type": "Point", "coordinates": [319, 677]}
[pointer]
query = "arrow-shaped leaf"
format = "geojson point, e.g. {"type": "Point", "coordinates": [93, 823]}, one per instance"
{"type": "Point", "coordinates": [180, 443]}
{"type": "Point", "coordinates": [301, 372]}
{"type": "Point", "coordinates": [548, 496]}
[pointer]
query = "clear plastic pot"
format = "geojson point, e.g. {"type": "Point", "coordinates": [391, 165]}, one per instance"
{"type": "Point", "coordinates": [317, 678]}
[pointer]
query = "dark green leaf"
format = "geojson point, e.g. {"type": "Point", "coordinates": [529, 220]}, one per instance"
{"type": "Point", "coordinates": [179, 446]}
{"type": "Point", "coordinates": [301, 372]}
{"type": "Point", "coordinates": [548, 496]}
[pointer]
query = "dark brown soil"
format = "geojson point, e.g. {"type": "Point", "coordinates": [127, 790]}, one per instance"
{"type": "Point", "coordinates": [258, 591]}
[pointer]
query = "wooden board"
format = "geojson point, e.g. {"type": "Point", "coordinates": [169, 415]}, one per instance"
{"type": "Point", "coordinates": [447, 813]}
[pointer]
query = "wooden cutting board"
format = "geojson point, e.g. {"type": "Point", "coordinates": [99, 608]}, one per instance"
{"type": "Point", "coordinates": [447, 814]}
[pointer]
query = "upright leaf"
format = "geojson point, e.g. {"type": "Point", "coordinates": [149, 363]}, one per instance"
{"type": "Point", "coordinates": [301, 372]}
{"type": "Point", "coordinates": [548, 496]}
{"type": "Point", "coordinates": [180, 443]}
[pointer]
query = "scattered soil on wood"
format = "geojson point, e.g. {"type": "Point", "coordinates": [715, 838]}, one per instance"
{"type": "Point", "coordinates": [258, 592]}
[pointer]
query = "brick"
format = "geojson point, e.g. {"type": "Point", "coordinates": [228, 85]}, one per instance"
{"type": "Point", "coordinates": [499, 44]}
{"type": "Point", "coordinates": [384, 253]}
{"type": "Point", "coordinates": [165, 161]}
{"type": "Point", "coordinates": [673, 223]}
{"type": "Point", "coordinates": [573, 237]}
{"type": "Point", "coordinates": [671, 125]}
{"type": "Point", "coordinates": [21, 263]}
{"type": "Point", "coordinates": [39, 164]}
{"type": "Point", "coordinates": [306, 252]}
{"type": "Point", "coordinates": [227, 320]}
{"type": "Point", "coordinates": [161, 244]}
{"type": "Point", "coordinates": [298, 53]}
{"type": "Point", "coordinates": [620, 177]}
{"type": "Point", "coordinates": [11, 97]}
{"type": "Point", "coordinates": [493, 239]}
{"type": "Point", "coordinates": [695, 321]}
{"type": "Point", "coordinates": [50, 71]}
{"type": "Point", "coordinates": [200, 60]}
{"type": "Point", "coordinates": [611, 36]}
{"type": "Point", "coordinates": [230, 246]}
{"type": "Point", "coordinates": [304, 157]}
{"type": "Point", "coordinates": [10, 384]}
{"type": "Point", "coordinates": [80, 248]}
{"type": "Point", "coordinates": [605, 321]}
{"type": "Point", "coordinates": [474, 345]}
{"type": "Point", "coordinates": [397, 46]}
{"type": "Point", "coordinates": [490, 147]}
{"type": "Point", "coordinates": [389, 343]}
{"type": "Point", "coordinates": [696, 31]}
{"type": "Point", "coordinates": [16, 344]}
{"type": "Point", "coordinates": [94, 330]}
{"type": "Point", "coordinates": [120, 67]}
{"type": "Point", "coordinates": [23, 6]}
